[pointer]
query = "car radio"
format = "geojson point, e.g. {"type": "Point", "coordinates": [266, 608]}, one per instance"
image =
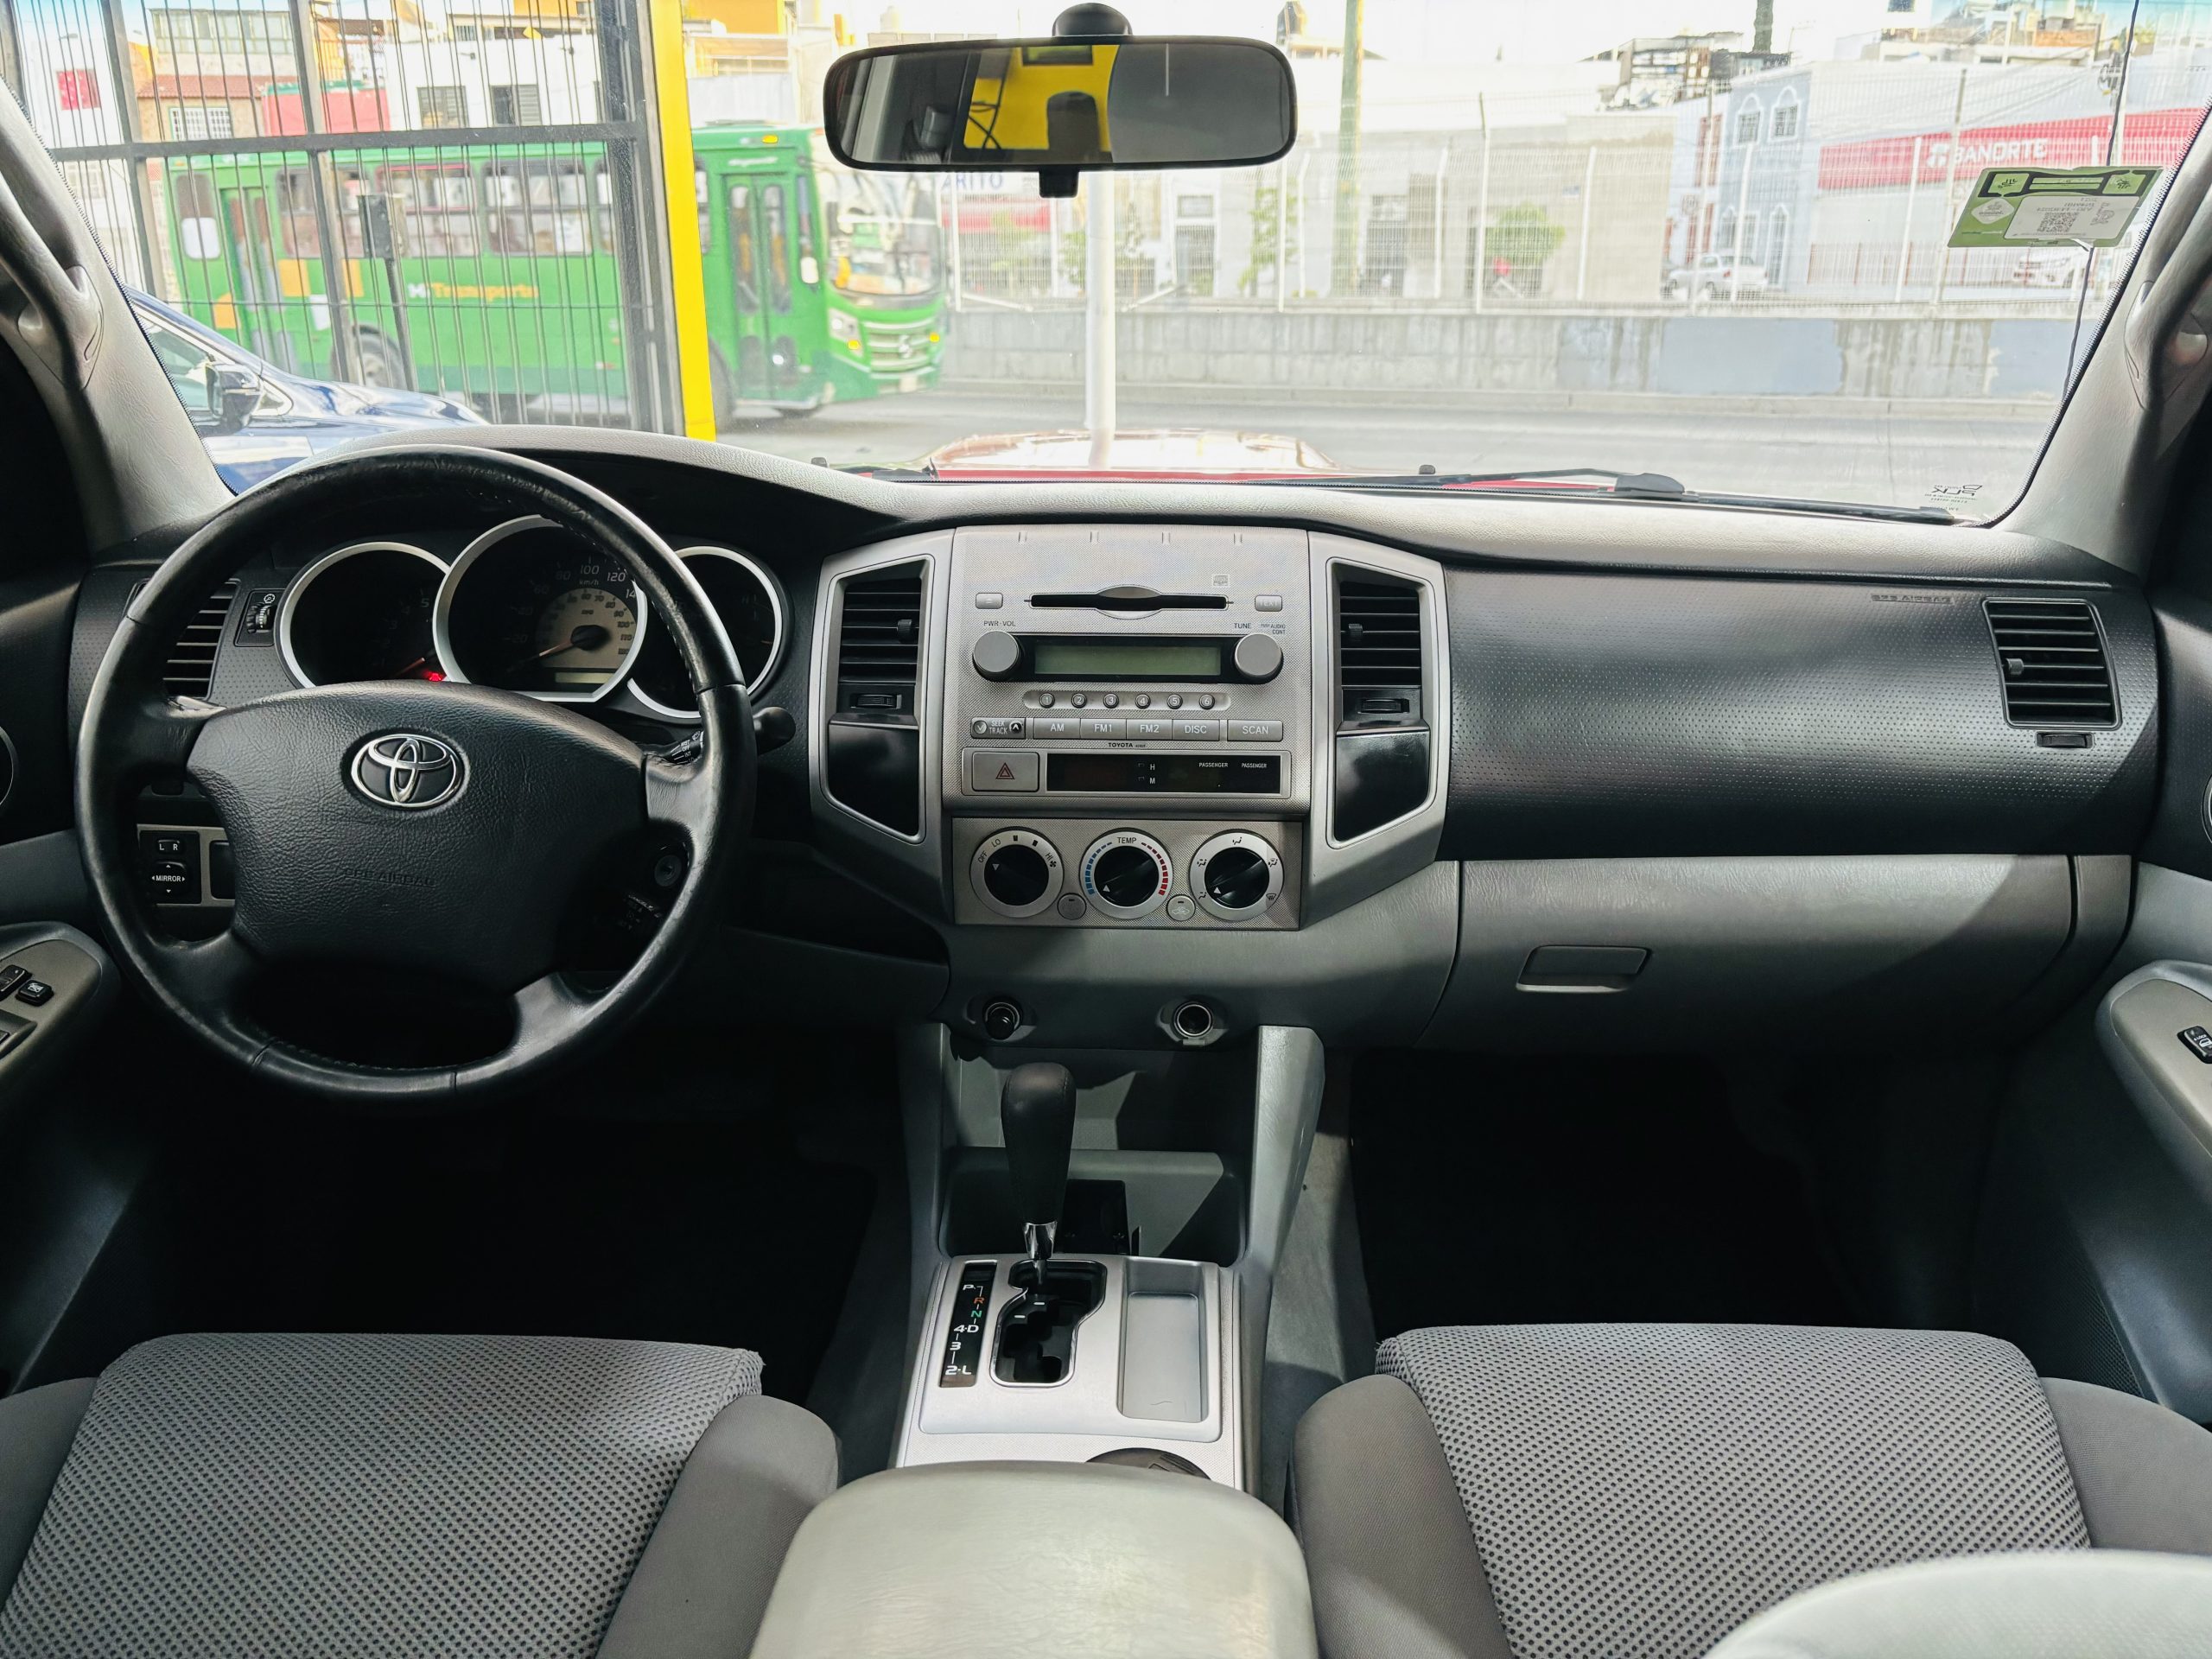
{"type": "Point", "coordinates": [1096, 663]}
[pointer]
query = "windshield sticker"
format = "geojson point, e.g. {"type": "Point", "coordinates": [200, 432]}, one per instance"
{"type": "Point", "coordinates": [1953, 495]}
{"type": "Point", "coordinates": [2053, 207]}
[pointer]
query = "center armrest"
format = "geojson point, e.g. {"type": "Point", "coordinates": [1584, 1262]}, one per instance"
{"type": "Point", "coordinates": [1008, 1560]}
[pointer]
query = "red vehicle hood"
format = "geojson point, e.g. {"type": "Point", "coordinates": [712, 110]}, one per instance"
{"type": "Point", "coordinates": [1135, 453]}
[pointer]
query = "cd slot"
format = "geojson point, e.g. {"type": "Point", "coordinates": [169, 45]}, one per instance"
{"type": "Point", "coordinates": [1129, 601]}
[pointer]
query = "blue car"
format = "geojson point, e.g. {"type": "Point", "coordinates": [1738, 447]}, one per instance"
{"type": "Point", "coordinates": [258, 419]}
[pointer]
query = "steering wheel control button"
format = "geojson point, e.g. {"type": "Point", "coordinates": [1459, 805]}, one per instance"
{"type": "Point", "coordinates": [1256, 731]}
{"type": "Point", "coordinates": [1181, 908]}
{"type": "Point", "coordinates": [409, 771]}
{"type": "Point", "coordinates": [1127, 875]}
{"type": "Point", "coordinates": [222, 872]}
{"type": "Point", "coordinates": [1198, 731]}
{"type": "Point", "coordinates": [1002, 771]}
{"type": "Point", "coordinates": [2198, 1041]}
{"type": "Point", "coordinates": [1236, 875]}
{"type": "Point", "coordinates": [1016, 873]}
{"type": "Point", "coordinates": [34, 992]}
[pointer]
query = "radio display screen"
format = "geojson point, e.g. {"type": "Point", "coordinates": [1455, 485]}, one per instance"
{"type": "Point", "coordinates": [1171, 774]}
{"type": "Point", "coordinates": [1125, 659]}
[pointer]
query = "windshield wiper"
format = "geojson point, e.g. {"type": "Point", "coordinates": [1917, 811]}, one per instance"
{"type": "Point", "coordinates": [1603, 481]}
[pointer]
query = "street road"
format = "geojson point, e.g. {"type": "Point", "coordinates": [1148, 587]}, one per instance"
{"type": "Point", "coordinates": [1895, 459]}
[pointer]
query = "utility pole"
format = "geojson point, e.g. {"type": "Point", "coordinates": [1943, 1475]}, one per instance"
{"type": "Point", "coordinates": [1344, 244]}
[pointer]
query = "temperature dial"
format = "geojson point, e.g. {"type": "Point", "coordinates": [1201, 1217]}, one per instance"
{"type": "Point", "coordinates": [1127, 875]}
{"type": "Point", "coordinates": [1236, 875]}
{"type": "Point", "coordinates": [1016, 873]}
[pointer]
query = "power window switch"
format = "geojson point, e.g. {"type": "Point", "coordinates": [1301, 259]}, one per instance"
{"type": "Point", "coordinates": [2198, 1041]}
{"type": "Point", "coordinates": [14, 1033]}
{"type": "Point", "coordinates": [11, 976]}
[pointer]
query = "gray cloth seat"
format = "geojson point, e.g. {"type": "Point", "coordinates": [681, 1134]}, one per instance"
{"type": "Point", "coordinates": [295, 1497]}
{"type": "Point", "coordinates": [1640, 1492]}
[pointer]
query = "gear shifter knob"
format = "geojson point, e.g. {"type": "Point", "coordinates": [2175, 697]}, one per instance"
{"type": "Point", "coordinates": [1037, 1115]}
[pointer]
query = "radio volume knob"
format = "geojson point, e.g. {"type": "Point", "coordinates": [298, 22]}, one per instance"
{"type": "Point", "coordinates": [998, 654]}
{"type": "Point", "coordinates": [1258, 657]}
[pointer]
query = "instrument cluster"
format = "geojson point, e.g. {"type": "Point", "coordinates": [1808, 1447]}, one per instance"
{"type": "Point", "coordinates": [525, 606]}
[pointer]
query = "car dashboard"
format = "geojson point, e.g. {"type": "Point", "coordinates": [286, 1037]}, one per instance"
{"type": "Point", "coordinates": [1120, 765]}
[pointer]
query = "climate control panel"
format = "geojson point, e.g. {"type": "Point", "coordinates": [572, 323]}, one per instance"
{"type": "Point", "coordinates": [1104, 873]}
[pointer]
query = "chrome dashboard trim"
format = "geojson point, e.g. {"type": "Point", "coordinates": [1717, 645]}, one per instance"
{"type": "Point", "coordinates": [774, 588]}
{"type": "Point", "coordinates": [441, 616]}
{"type": "Point", "coordinates": [288, 607]}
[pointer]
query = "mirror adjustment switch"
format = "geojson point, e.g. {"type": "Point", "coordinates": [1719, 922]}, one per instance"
{"type": "Point", "coordinates": [2197, 1041]}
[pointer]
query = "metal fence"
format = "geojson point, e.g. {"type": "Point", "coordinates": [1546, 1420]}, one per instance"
{"type": "Point", "coordinates": [460, 201]}
{"type": "Point", "coordinates": [1824, 186]}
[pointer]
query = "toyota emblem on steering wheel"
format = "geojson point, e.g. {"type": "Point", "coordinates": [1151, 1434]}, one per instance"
{"type": "Point", "coordinates": [407, 770]}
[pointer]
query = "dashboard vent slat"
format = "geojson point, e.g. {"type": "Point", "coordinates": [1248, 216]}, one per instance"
{"type": "Point", "coordinates": [880, 636]}
{"type": "Point", "coordinates": [189, 670]}
{"type": "Point", "coordinates": [2052, 657]}
{"type": "Point", "coordinates": [1378, 633]}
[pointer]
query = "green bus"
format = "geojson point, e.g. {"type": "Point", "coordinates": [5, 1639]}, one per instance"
{"type": "Point", "coordinates": [499, 281]}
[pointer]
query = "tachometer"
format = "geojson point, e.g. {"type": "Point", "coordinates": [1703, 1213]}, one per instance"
{"type": "Point", "coordinates": [532, 607]}
{"type": "Point", "coordinates": [363, 613]}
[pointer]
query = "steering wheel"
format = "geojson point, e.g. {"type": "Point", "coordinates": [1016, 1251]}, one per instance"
{"type": "Point", "coordinates": [405, 825]}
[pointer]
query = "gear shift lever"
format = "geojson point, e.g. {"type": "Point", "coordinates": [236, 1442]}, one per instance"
{"type": "Point", "coordinates": [1037, 1116]}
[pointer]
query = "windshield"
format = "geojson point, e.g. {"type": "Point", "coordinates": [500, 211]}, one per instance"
{"type": "Point", "coordinates": [1825, 251]}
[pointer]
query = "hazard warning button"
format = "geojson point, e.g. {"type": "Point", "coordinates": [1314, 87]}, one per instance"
{"type": "Point", "coordinates": [1002, 771]}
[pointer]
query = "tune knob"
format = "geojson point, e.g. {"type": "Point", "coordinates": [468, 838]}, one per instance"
{"type": "Point", "coordinates": [1016, 873]}
{"type": "Point", "coordinates": [1258, 657]}
{"type": "Point", "coordinates": [1236, 875]}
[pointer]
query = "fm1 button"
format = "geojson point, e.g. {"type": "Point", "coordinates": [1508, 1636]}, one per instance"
{"type": "Point", "coordinates": [1002, 771]}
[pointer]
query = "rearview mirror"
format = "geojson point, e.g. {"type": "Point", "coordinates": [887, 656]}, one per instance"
{"type": "Point", "coordinates": [1062, 106]}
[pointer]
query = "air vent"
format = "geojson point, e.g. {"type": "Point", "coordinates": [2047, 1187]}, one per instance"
{"type": "Point", "coordinates": [2053, 660]}
{"type": "Point", "coordinates": [1382, 750]}
{"type": "Point", "coordinates": [190, 669]}
{"type": "Point", "coordinates": [881, 636]}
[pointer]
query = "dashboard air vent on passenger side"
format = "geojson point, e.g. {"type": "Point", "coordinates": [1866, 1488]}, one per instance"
{"type": "Point", "coordinates": [190, 670]}
{"type": "Point", "coordinates": [2052, 657]}
{"type": "Point", "coordinates": [873, 763]}
{"type": "Point", "coordinates": [1383, 737]}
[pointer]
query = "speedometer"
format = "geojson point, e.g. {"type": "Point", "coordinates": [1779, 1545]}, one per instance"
{"type": "Point", "coordinates": [532, 607]}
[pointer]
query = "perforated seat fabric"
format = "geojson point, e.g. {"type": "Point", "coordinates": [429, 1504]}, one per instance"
{"type": "Point", "coordinates": [1638, 1491]}
{"type": "Point", "coordinates": [381, 1496]}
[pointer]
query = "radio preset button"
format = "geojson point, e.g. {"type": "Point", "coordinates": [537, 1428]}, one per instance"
{"type": "Point", "coordinates": [1002, 771]}
{"type": "Point", "coordinates": [1174, 699]}
{"type": "Point", "coordinates": [1198, 731]}
{"type": "Point", "coordinates": [1205, 699]}
{"type": "Point", "coordinates": [1046, 699]}
{"type": "Point", "coordinates": [1112, 700]}
{"type": "Point", "coordinates": [1105, 726]}
{"type": "Point", "coordinates": [1256, 731]}
{"type": "Point", "coordinates": [1078, 699]}
{"type": "Point", "coordinates": [1144, 699]}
